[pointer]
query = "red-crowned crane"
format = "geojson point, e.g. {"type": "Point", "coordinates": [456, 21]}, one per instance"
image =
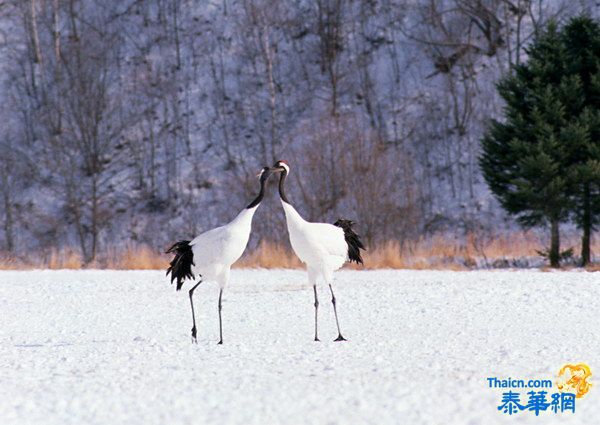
{"type": "Point", "coordinates": [211, 254]}
{"type": "Point", "coordinates": [323, 247]}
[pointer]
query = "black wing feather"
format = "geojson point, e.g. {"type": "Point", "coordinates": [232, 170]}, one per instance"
{"type": "Point", "coordinates": [181, 266]}
{"type": "Point", "coordinates": [352, 240]}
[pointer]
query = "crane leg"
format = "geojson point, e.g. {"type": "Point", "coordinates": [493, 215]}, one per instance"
{"type": "Point", "coordinates": [340, 337]}
{"type": "Point", "coordinates": [220, 322]}
{"type": "Point", "coordinates": [193, 315]}
{"type": "Point", "coordinates": [316, 310]}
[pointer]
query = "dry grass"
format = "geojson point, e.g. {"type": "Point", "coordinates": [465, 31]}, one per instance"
{"type": "Point", "coordinates": [54, 259]}
{"type": "Point", "coordinates": [593, 267]}
{"type": "Point", "coordinates": [137, 258]}
{"type": "Point", "coordinates": [270, 256]}
{"type": "Point", "coordinates": [129, 258]}
{"type": "Point", "coordinates": [432, 253]}
{"type": "Point", "coordinates": [65, 259]}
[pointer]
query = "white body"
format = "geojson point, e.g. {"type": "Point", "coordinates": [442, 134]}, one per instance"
{"type": "Point", "coordinates": [321, 246]}
{"type": "Point", "coordinates": [217, 249]}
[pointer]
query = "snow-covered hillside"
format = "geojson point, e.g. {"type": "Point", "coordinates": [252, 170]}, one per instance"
{"type": "Point", "coordinates": [104, 347]}
{"type": "Point", "coordinates": [379, 106]}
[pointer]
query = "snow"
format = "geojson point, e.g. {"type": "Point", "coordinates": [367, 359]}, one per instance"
{"type": "Point", "coordinates": [113, 347]}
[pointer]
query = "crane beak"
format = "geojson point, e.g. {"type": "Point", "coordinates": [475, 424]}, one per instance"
{"type": "Point", "coordinates": [265, 173]}
{"type": "Point", "coordinates": [276, 169]}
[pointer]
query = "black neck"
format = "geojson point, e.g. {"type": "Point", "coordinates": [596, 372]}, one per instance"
{"type": "Point", "coordinates": [282, 188]}
{"type": "Point", "coordinates": [260, 195]}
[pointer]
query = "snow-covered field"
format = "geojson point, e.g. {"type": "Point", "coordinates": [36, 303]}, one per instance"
{"type": "Point", "coordinates": [107, 347]}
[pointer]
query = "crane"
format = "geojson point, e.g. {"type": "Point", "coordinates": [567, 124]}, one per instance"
{"type": "Point", "coordinates": [211, 254]}
{"type": "Point", "coordinates": [323, 247]}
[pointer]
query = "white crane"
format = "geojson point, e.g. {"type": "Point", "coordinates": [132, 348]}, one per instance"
{"type": "Point", "coordinates": [211, 254]}
{"type": "Point", "coordinates": [323, 247]}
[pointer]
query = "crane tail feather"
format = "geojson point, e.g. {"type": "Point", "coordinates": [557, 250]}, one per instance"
{"type": "Point", "coordinates": [352, 240]}
{"type": "Point", "coordinates": [181, 265]}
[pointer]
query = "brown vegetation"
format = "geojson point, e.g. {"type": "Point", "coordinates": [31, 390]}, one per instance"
{"type": "Point", "coordinates": [514, 250]}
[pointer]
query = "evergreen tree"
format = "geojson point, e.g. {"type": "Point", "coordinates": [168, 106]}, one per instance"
{"type": "Point", "coordinates": [581, 37]}
{"type": "Point", "coordinates": [523, 157]}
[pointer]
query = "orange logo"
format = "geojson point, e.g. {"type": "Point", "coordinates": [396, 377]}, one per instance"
{"type": "Point", "coordinates": [574, 379]}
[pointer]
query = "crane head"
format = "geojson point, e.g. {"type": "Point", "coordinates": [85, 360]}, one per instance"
{"type": "Point", "coordinates": [281, 166]}
{"type": "Point", "coordinates": [264, 173]}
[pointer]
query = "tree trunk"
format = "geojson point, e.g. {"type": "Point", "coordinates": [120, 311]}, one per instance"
{"type": "Point", "coordinates": [268, 58]}
{"type": "Point", "coordinates": [8, 220]}
{"type": "Point", "coordinates": [94, 219]}
{"type": "Point", "coordinates": [586, 225]}
{"type": "Point", "coordinates": [555, 244]}
{"type": "Point", "coordinates": [34, 33]}
{"type": "Point", "coordinates": [80, 231]}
